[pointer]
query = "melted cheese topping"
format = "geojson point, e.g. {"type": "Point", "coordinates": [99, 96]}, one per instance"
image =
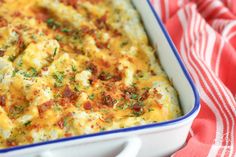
{"type": "Point", "coordinates": [77, 67]}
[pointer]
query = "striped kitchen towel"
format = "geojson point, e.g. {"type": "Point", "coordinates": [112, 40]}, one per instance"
{"type": "Point", "coordinates": [204, 32]}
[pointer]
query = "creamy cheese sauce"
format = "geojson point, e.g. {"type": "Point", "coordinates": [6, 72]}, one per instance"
{"type": "Point", "coordinates": [77, 67]}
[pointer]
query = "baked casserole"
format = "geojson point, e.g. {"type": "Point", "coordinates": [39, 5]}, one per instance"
{"type": "Point", "coordinates": [74, 67]}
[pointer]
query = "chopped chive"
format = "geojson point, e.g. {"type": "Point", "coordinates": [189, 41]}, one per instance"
{"type": "Point", "coordinates": [91, 97]}
{"type": "Point", "coordinates": [55, 52]}
{"type": "Point", "coordinates": [58, 37]}
{"type": "Point", "coordinates": [59, 76]}
{"type": "Point", "coordinates": [11, 58]}
{"type": "Point", "coordinates": [134, 96]}
{"type": "Point", "coordinates": [27, 123]}
{"type": "Point", "coordinates": [124, 43]}
{"type": "Point", "coordinates": [150, 109]}
{"type": "Point", "coordinates": [65, 30]}
{"type": "Point", "coordinates": [74, 68]}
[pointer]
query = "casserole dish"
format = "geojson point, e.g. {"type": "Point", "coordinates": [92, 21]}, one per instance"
{"type": "Point", "coordinates": [110, 143]}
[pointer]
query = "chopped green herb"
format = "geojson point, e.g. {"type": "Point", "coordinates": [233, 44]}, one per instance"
{"type": "Point", "coordinates": [78, 105]}
{"type": "Point", "coordinates": [65, 30]}
{"type": "Point", "coordinates": [72, 78]}
{"type": "Point", "coordinates": [137, 114]}
{"type": "Point", "coordinates": [124, 43]}
{"type": "Point", "coordinates": [27, 123]}
{"type": "Point", "coordinates": [52, 23]}
{"type": "Point", "coordinates": [56, 107]}
{"type": "Point", "coordinates": [102, 129]}
{"type": "Point", "coordinates": [146, 88]}
{"type": "Point", "coordinates": [33, 37]}
{"type": "Point", "coordinates": [119, 107]}
{"type": "Point", "coordinates": [33, 72]}
{"type": "Point", "coordinates": [58, 84]}
{"type": "Point", "coordinates": [134, 96]}
{"type": "Point", "coordinates": [58, 37]}
{"type": "Point", "coordinates": [26, 74]}
{"type": "Point", "coordinates": [126, 105]}
{"type": "Point", "coordinates": [55, 52]}
{"type": "Point", "coordinates": [27, 86]}
{"type": "Point", "coordinates": [104, 111]}
{"type": "Point", "coordinates": [11, 58]}
{"type": "Point", "coordinates": [16, 110]}
{"type": "Point", "coordinates": [150, 109]}
{"type": "Point", "coordinates": [59, 76]}
{"type": "Point", "coordinates": [14, 72]}
{"type": "Point", "coordinates": [91, 97]}
{"type": "Point", "coordinates": [74, 68]}
{"type": "Point", "coordinates": [20, 63]}
{"type": "Point", "coordinates": [77, 88]}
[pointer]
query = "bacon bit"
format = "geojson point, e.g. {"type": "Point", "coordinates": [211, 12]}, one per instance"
{"type": "Point", "coordinates": [3, 22]}
{"type": "Point", "coordinates": [45, 68]}
{"type": "Point", "coordinates": [11, 143]}
{"type": "Point", "coordinates": [104, 76]}
{"type": "Point", "coordinates": [153, 73]}
{"type": "Point", "coordinates": [2, 53]}
{"type": "Point", "coordinates": [64, 101]}
{"type": "Point", "coordinates": [79, 52]}
{"type": "Point", "coordinates": [108, 100]}
{"type": "Point", "coordinates": [45, 106]}
{"type": "Point", "coordinates": [20, 42]}
{"type": "Point", "coordinates": [60, 123]}
{"type": "Point", "coordinates": [92, 80]}
{"type": "Point", "coordinates": [67, 134]}
{"type": "Point", "coordinates": [46, 32]}
{"type": "Point", "coordinates": [131, 90]}
{"type": "Point", "coordinates": [2, 100]}
{"type": "Point", "coordinates": [128, 92]}
{"type": "Point", "coordinates": [86, 30]}
{"type": "Point", "coordinates": [33, 126]}
{"type": "Point", "coordinates": [104, 63]}
{"type": "Point", "coordinates": [16, 14]}
{"type": "Point", "coordinates": [42, 14]}
{"type": "Point", "coordinates": [116, 33]}
{"type": "Point", "coordinates": [101, 45]}
{"type": "Point", "coordinates": [93, 68]}
{"type": "Point", "coordinates": [156, 93]}
{"type": "Point", "coordinates": [158, 104]}
{"type": "Point", "coordinates": [101, 22]}
{"type": "Point", "coordinates": [117, 77]}
{"type": "Point", "coordinates": [87, 106]}
{"type": "Point", "coordinates": [72, 3]}
{"type": "Point", "coordinates": [145, 95]}
{"type": "Point", "coordinates": [103, 19]}
{"type": "Point", "coordinates": [126, 96]}
{"type": "Point", "coordinates": [137, 107]}
{"type": "Point", "coordinates": [19, 27]}
{"type": "Point", "coordinates": [68, 93]}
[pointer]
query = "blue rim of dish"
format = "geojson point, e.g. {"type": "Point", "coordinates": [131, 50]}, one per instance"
{"type": "Point", "coordinates": [194, 110]}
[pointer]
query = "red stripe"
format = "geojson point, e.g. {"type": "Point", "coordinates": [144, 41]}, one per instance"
{"type": "Point", "coordinates": [163, 13]}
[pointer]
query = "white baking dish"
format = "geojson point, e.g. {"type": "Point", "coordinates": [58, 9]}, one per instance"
{"type": "Point", "coordinates": [160, 139]}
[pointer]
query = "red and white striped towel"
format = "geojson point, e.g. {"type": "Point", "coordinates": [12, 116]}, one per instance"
{"type": "Point", "coordinates": [204, 32]}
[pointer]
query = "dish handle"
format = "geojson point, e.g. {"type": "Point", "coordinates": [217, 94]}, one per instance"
{"type": "Point", "coordinates": [132, 147]}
